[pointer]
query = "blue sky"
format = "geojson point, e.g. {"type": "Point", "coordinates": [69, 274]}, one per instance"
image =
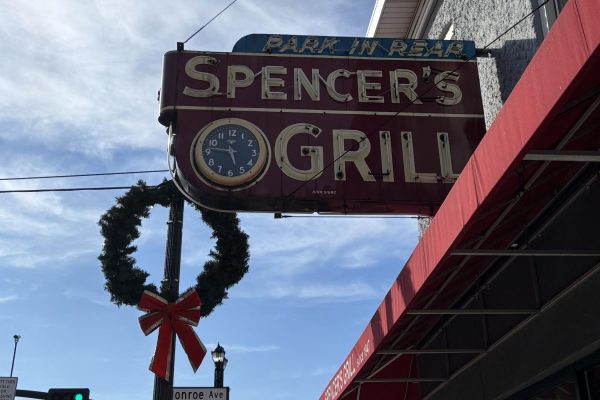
{"type": "Point", "coordinates": [78, 85]}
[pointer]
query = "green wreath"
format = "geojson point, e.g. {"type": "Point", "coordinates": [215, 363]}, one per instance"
{"type": "Point", "coordinates": [125, 281]}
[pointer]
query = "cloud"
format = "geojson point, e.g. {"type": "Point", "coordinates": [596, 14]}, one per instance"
{"type": "Point", "coordinates": [320, 292]}
{"type": "Point", "coordinates": [244, 349]}
{"type": "Point", "coordinates": [53, 229]}
{"type": "Point", "coordinates": [324, 259]}
{"type": "Point", "coordinates": [322, 371]}
{"type": "Point", "coordinates": [64, 88]}
{"type": "Point", "coordinates": [45, 229]}
{"type": "Point", "coordinates": [89, 296]}
{"type": "Point", "coordinates": [351, 291]}
{"type": "Point", "coordinates": [291, 246]}
{"type": "Point", "coordinates": [6, 299]}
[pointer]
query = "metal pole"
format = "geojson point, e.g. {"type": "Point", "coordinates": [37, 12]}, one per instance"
{"type": "Point", "coordinates": [16, 337]}
{"type": "Point", "coordinates": [219, 375]}
{"type": "Point", "coordinates": [163, 389]}
{"type": "Point", "coordinates": [31, 394]}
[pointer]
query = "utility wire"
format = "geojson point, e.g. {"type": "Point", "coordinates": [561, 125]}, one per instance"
{"type": "Point", "coordinates": [212, 19]}
{"type": "Point", "coordinates": [79, 189]}
{"type": "Point", "coordinates": [83, 175]}
{"type": "Point", "coordinates": [326, 167]}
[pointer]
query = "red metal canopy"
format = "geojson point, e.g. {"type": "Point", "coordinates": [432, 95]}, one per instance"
{"type": "Point", "coordinates": [527, 158]}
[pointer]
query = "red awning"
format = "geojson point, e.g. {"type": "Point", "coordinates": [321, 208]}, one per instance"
{"type": "Point", "coordinates": [509, 180]}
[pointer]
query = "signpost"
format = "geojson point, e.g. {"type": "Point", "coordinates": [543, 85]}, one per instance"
{"type": "Point", "coordinates": [8, 388]}
{"type": "Point", "coordinates": [305, 124]}
{"type": "Point", "coordinates": [200, 393]}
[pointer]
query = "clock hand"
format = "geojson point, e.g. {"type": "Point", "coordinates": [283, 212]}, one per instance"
{"type": "Point", "coordinates": [231, 151]}
{"type": "Point", "coordinates": [218, 149]}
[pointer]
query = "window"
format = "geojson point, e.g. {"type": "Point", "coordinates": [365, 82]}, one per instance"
{"type": "Point", "coordinates": [549, 12]}
{"type": "Point", "coordinates": [448, 32]}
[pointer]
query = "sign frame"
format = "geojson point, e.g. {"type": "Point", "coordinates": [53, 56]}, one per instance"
{"type": "Point", "coordinates": [8, 387]}
{"type": "Point", "coordinates": [373, 162]}
{"type": "Point", "coordinates": [201, 393]}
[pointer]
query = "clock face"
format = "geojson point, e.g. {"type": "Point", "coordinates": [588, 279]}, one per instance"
{"type": "Point", "coordinates": [230, 152]}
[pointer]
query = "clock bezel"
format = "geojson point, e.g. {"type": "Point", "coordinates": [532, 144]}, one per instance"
{"type": "Point", "coordinates": [223, 182]}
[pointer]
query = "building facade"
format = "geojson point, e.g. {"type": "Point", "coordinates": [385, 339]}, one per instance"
{"type": "Point", "coordinates": [499, 299]}
{"type": "Point", "coordinates": [506, 52]}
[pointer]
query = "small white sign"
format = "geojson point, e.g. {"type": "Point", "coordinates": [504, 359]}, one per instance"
{"type": "Point", "coordinates": [200, 393]}
{"type": "Point", "coordinates": [8, 388]}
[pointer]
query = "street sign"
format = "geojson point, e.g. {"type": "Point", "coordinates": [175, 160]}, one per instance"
{"type": "Point", "coordinates": [290, 130]}
{"type": "Point", "coordinates": [8, 388]}
{"type": "Point", "coordinates": [200, 393]}
{"type": "Point", "coordinates": [356, 46]}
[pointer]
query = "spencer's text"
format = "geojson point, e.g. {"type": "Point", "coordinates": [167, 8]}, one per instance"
{"type": "Point", "coordinates": [280, 83]}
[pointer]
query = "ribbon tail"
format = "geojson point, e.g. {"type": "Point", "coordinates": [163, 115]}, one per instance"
{"type": "Point", "coordinates": [150, 321]}
{"type": "Point", "coordinates": [191, 343]}
{"type": "Point", "coordinates": [161, 362]}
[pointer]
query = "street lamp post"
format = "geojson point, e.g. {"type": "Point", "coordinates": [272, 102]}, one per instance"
{"type": "Point", "coordinates": [218, 356]}
{"type": "Point", "coordinates": [16, 337]}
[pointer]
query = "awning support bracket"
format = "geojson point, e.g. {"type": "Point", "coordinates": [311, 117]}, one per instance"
{"type": "Point", "coordinates": [431, 351]}
{"type": "Point", "coordinates": [472, 311]}
{"type": "Point", "coordinates": [400, 380]}
{"type": "Point", "coordinates": [564, 155]}
{"type": "Point", "coordinates": [526, 253]}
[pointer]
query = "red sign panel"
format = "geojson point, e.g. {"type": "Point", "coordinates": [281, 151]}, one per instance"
{"type": "Point", "coordinates": [296, 133]}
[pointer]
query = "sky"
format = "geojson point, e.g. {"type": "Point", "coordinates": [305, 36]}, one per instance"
{"type": "Point", "coordinates": [78, 94]}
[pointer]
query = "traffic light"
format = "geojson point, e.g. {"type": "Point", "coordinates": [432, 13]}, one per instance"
{"type": "Point", "coordinates": [68, 394]}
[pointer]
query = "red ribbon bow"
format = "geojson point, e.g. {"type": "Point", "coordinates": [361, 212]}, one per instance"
{"type": "Point", "coordinates": [172, 317]}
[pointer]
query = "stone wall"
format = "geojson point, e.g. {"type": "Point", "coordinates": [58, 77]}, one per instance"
{"type": "Point", "coordinates": [482, 22]}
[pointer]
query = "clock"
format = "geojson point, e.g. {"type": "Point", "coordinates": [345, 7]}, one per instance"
{"type": "Point", "coordinates": [230, 153]}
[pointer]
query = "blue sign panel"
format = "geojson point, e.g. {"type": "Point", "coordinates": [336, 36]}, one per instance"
{"type": "Point", "coordinates": [356, 47]}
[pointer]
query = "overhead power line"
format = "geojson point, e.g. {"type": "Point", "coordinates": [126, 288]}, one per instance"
{"type": "Point", "coordinates": [79, 189]}
{"type": "Point", "coordinates": [76, 189]}
{"type": "Point", "coordinates": [211, 20]}
{"type": "Point", "coordinates": [83, 175]}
